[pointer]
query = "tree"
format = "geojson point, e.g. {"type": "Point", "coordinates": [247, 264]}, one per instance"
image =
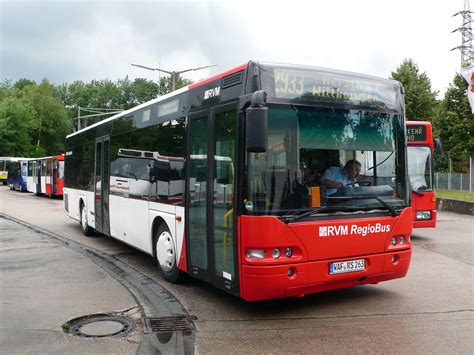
{"type": "Point", "coordinates": [136, 92]}
{"type": "Point", "coordinates": [166, 83]}
{"type": "Point", "coordinates": [16, 120]}
{"type": "Point", "coordinates": [50, 124]}
{"type": "Point", "coordinates": [420, 101]}
{"type": "Point", "coordinates": [23, 83]}
{"type": "Point", "coordinates": [454, 123]}
{"type": "Point", "coordinates": [105, 94]}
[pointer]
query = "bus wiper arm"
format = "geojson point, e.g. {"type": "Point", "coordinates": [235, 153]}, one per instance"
{"type": "Point", "coordinates": [306, 214]}
{"type": "Point", "coordinates": [393, 212]}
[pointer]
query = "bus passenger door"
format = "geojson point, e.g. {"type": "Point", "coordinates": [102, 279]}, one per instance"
{"type": "Point", "coordinates": [197, 196]}
{"type": "Point", "coordinates": [101, 185]}
{"type": "Point", "coordinates": [54, 172]}
{"type": "Point", "coordinates": [37, 176]}
{"type": "Point", "coordinates": [43, 176]}
{"type": "Point", "coordinates": [210, 229]}
{"type": "Point", "coordinates": [223, 168]}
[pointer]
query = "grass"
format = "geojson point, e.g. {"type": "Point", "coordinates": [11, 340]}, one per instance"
{"type": "Point", "coordinates": [455, 195]}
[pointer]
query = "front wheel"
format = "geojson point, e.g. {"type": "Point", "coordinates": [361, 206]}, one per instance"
{"type": "Point", "coordinates": [86, 230]}
{"type": "Point", "coordinates": [165, 254]}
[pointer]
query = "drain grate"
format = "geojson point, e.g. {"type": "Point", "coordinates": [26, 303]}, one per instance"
{"type": "Point", "coordinates": [169, 324]}
{"type": "Point", "coordinates": [99, 326]}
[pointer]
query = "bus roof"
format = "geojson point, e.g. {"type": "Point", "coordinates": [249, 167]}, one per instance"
{"type": "Point", "coordinates": [388, 87]}
{"type": "Point", "coordinates": [133, 109]}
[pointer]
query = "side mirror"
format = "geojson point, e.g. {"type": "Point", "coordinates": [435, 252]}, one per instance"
{"type": "Point", "coordinates": [256, 123]}
{"type": "Point", "coordinates": [437, 145]}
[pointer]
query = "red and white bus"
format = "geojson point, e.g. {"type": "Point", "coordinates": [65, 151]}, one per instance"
{"type": "Point", "coordinates": [46, 176]}
{"type": "Point", "coordinates": [247, 212]}
{"type": "Point", "coordinates": [421, 148]}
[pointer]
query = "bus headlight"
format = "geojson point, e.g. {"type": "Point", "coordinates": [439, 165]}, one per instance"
{"type": "Point", "coordinates": [256, 253]}
{"type": "Point", "coordinates": [423, 215]}
{"type": "Point", "coordinates": [394, 241]}
{"type": "Point", "coordinates": [276, 253]}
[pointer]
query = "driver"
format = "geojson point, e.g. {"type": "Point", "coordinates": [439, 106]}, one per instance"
{"type": "Point", "coordinates": [336, 177]}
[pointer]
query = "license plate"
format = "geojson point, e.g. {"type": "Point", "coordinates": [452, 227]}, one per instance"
{"type": "Point", "coordinates": [346, 266]}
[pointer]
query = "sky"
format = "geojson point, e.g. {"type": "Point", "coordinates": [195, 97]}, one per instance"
{"type": "Point", "coordinates": [70, 40]}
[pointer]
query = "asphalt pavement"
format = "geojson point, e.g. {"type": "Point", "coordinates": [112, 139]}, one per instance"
{"type": "Point", "coordinates": [45, 286]}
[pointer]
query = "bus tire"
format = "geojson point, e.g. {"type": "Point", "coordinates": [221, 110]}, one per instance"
{"type": "Point", "coordinates": [86, 229]}
{"type": "Point", "coordinates": [165, 254]}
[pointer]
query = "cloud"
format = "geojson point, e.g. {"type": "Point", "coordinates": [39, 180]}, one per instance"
{"type": "Point", "coordinates": [67, 41]}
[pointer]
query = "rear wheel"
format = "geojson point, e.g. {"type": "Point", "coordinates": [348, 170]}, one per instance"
{"type": "Point", "coordinates": [165, 254]}
{"type": "Point", "coordinates": [84, 226]}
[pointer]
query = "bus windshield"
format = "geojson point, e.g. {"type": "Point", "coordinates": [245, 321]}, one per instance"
{"type": "Point", "coordinates": [419, 168]}
{"type": "Point", "coordinates": [304, 142]}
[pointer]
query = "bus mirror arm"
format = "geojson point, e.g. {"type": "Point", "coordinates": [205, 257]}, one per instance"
{"type": "Point", "coordinates": [418, 193]}
{"type": "Point", "coordinates": [256, 123]}
{"type": "Point", "coordinates": [153, 174]}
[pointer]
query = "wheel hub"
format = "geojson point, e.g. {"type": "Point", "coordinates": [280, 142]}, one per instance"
{"type": "Point", "coordinates": [83, 218]}
{"type": "Point", "coordinates": [165, 251]}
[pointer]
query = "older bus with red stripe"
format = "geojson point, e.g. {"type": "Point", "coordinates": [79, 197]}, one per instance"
{"type": "Point", "coordinates": [421, 148]}
{"type": "Point", "coordinates": [46, 176]}
{"type": "Point", "coordinates": [239, 203]}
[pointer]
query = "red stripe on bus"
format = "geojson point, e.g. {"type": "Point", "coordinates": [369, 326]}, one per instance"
{"type": "Point", "coordinates": [182, 262]}
{"type": "Point", "coordinates": [218, 76]}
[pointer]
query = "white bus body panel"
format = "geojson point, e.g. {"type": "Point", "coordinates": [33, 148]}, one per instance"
{"type": "Point", "coordinates": [43, 184]}
{"type": "Point", "coordinates": [30, 184]}
{"type": "Point", "coordinates": [169, 213]}
{"type": "Point", "coordinates": [74, 199]}
{"type": "Point", "coordinates": [129, 221]}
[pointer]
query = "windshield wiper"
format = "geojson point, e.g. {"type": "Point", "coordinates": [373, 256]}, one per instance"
{"type": "Point", "coordinates": [306, 214]}
{"type": "Point", "coordinates": [393, 212]}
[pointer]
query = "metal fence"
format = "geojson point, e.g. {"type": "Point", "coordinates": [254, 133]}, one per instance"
{"type": "Point", "coordinates": [453, 181]}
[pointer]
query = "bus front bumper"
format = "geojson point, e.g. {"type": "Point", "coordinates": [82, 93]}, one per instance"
{"type": "Point", "coordinates": [268, 282]}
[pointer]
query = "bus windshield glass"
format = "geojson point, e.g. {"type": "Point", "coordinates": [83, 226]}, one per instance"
{"type": "Point", "coordinates": [307, 144]}
{"type": "Point", "coordinates": [419, 168]}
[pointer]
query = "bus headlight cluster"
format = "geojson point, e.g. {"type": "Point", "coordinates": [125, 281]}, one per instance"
{"type": "Point", "coordinates": [423, 215]}
{"type": "Point", "coordinates": [277, 253]}
{"type": "Point", "coordinates": [398, 240]}
{"type": "Point", "coordinates": [262, 253]}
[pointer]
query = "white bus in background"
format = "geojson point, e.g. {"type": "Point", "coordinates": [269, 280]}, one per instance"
{"type": "Point", "coordinates": [33, 179]}
{"type": "Point", "coordinates": [223, 188]}
{"type": "Point", "coordinates": [140, 174]}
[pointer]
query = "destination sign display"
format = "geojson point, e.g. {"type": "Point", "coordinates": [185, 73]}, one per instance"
{"type": "Point", "coordinates": [416, 133]}
{"type": "Point", "coordinates": [335, 87]}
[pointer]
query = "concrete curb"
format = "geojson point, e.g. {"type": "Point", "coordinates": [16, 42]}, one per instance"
{"type": "Point", "coordinates": [456, 206]}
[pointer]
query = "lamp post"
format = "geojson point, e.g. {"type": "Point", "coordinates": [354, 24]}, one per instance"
{"type": "Point", "coordinates": [173, 74]}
